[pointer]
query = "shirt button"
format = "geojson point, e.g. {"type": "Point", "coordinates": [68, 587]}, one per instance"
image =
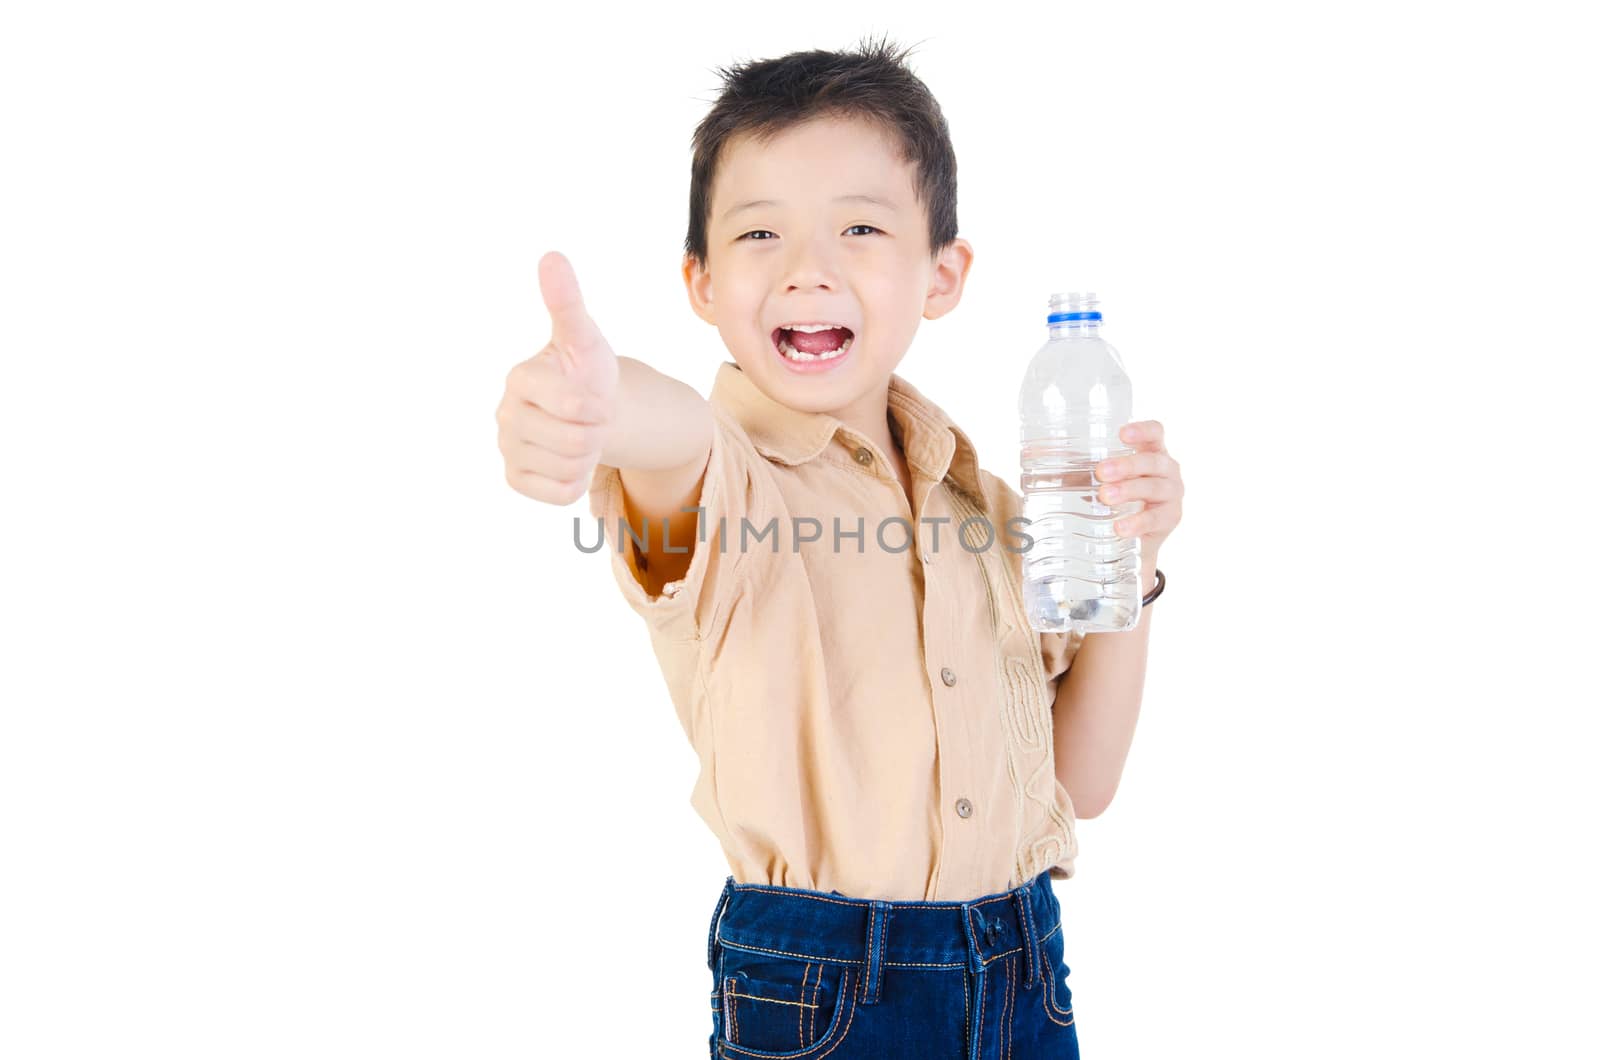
{"type": "Point", "coordinates": [863, 455]}
{"type": "Point", "coordinates": [963, 808]}
{"type": "Point", "coordinates": [949, 675]}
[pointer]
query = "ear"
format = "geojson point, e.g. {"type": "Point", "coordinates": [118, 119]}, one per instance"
{"type": "Point", "coordinates": [698, 282]}
{"type": "Point", "coordinates": [949, 278]}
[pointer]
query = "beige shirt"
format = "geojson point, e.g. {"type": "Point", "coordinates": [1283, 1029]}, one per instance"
{"type": "Point", "coordinates": [872, 715]}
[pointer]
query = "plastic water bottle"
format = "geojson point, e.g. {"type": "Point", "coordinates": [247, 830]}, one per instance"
{"type": "Point", "coordinates": [1075, 399]}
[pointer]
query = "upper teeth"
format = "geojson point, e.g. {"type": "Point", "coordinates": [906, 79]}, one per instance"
{"type": "Point", "coordinates": [811, 328]}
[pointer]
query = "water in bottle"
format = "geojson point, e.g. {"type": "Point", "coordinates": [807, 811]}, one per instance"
{"type": "Point", "coordinates": [1076, 397]}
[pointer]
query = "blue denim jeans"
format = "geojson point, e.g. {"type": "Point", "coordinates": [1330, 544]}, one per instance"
{"type": "Point", "coordinates": [803, 974]}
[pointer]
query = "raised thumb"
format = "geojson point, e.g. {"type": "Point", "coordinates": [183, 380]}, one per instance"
{"type": "Point", "coordinates": [574, 334]}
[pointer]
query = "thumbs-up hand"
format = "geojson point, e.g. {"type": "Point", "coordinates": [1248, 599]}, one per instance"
{"type": "Point", "coordinates": [559, 404]}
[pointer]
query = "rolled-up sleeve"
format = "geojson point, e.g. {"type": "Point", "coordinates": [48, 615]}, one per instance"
{"type": "Point", "coordinates": [685, 609]}
{"type": "Point", "coordinates": [1057, 650]}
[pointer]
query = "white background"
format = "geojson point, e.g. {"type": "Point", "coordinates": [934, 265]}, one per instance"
{"type": "Point", "coordinates": [319, 741]}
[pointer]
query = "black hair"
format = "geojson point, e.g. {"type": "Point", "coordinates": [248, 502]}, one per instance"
{"type": "Point", "coordinates": [763, 98]}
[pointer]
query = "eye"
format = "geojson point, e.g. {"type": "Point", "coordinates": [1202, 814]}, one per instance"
{"type": "Point", "coordinates": [763, 231]}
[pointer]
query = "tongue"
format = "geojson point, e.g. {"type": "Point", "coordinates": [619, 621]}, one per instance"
{"type": "Point", "coordinates": [818, 342]}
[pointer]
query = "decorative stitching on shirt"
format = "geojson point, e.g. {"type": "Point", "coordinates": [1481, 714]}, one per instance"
{"type": "Point", "coordinates": [700, 666]}
{"type": "Point", "coordinates": [737, 568]}
{"type": "Point", "coordinates": [1027, 741]}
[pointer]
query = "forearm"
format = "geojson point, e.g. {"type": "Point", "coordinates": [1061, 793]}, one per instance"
{"type": "Point", "coordinates": [660, 440]}
{"type": "Point", "coordinates": [1097, 706]}
{"type": "Point", "coordinates": [660, 422]}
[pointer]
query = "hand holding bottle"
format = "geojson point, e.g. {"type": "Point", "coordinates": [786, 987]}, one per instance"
{"type": "Point", "coordinates": [1151, 475]}
{"type": "Point", "coordinates": [1094, 553]}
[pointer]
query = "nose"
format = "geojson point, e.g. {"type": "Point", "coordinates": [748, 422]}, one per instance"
{"type": "Point", "coordinates": [810, 264]}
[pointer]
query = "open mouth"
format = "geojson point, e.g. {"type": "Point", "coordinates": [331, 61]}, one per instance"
{"type": "Point", "coordinates": [806, 346]}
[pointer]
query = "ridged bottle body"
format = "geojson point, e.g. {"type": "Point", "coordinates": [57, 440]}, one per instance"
{"type": "Point", "coordinates": [1075, 399]}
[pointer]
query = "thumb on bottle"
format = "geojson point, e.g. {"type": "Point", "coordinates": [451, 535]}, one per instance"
{"type": "Point", "coordinates": [574, 333]}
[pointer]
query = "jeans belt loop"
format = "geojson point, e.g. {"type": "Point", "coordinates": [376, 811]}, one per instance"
{"type": "Point", "coordinates": [877, 935]}
{"type": "Point", "coordinates": [716, 919]}
{"type": "Point", "coordinates": [1030, 934]}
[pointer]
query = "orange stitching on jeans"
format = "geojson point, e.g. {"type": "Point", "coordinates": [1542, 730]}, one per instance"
{"type": "Point", "coordinates": [1007, 953]}
{"type": "Point", "coordinates": [1058, 1022]}
{"type": "Point", "coordinates": [1005, 1021]}
{"type": "Point", "coordinates": [981, 1006]}
{"type": "Point", "coordinates": [1063, 1011]}
{"type": "Point", "coordinates": [872, 942]}
{"type": "Point", "coordinates": [840, 1039]}
{"type": "Point", "coordinates": [831, 959]}
{"type": "Point", "coordinates": [966, 1018]}
{"type": "Point", "coordinates": [1017, 978]}
{"type": "Point", "coordinates": [854, 995]}
{"type": "Point", "coordinates": [816, 994]}
{"type": "Point", "coordinates": [812, 897]}
{"type": "Point", "coordinates": [800, 1017]}
{"type": "Point", "coordinates": [1047, 999]}
{"type": "Point", "coordinates": [1005, 998]}
{"type": "Point", "coordinates": [768, 1000]}
{"type": "Point", "coordinates": [928, 907]}
{"type": "Point", "coordinates": [787, 953]}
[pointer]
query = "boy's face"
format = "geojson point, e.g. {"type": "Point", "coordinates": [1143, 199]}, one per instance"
{"type": "Point", "coordinates": [809, 261]}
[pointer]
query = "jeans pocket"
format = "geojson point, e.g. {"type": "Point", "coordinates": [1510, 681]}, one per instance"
{"type": "Point", "coordinates": [1057, 994]}
{"type": "Point", "coordinates": [782, 1007]}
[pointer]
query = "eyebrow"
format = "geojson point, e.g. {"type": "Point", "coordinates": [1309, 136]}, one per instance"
{"type": "Point", "coordinates": [870, 199]}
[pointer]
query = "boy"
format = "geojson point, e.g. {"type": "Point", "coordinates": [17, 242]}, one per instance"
{"type": "Point", "coordinates": [875, 720]}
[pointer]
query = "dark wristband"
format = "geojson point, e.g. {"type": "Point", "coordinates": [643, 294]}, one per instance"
{"type": "Point", "coordinates": [1161, 583]}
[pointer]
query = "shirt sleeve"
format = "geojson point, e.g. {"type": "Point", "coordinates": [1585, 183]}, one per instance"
{"type": "Point", "coordinates": [1057, 649]}
{"type": "Point", "coordinates": [685, 609]}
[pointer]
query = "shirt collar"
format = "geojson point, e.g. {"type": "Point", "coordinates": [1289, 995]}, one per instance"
{"type": "Point", "coordinates": [934, 446]}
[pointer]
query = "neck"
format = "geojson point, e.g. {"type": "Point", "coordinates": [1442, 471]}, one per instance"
{"type": "Point", "coordinates": [868, 416]}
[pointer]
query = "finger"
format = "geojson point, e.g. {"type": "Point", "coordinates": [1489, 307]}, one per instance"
{"type": "Point", "coordinates": [1142, 463]}
{"type": "Point", "coordinates": [1146, 434]}
{"type": "Point", "coordinates": [574, 333]}
{"type": "Point", "coordinates": [528, 457]}
{"type": "Point", "coordinates": [1143, 524]}
{"type": "Point", "coordinates": [531, 425]}
{"type": "Point", "coordinates": [1153, 519]}
{"type": "Point", "coordinates": [547, 489]}
{"type": "Point", "coordinates": [1143, 487]}
{"type": "Point", "coordinates": [1132, 526]}
{"type": "Point", "coordinates": [531, 440]}
{"type": "Point", "coordinates": [540, 381]}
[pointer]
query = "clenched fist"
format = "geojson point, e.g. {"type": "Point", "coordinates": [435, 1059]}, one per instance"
{"type": "Point", "coordinates": [559, 403]}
